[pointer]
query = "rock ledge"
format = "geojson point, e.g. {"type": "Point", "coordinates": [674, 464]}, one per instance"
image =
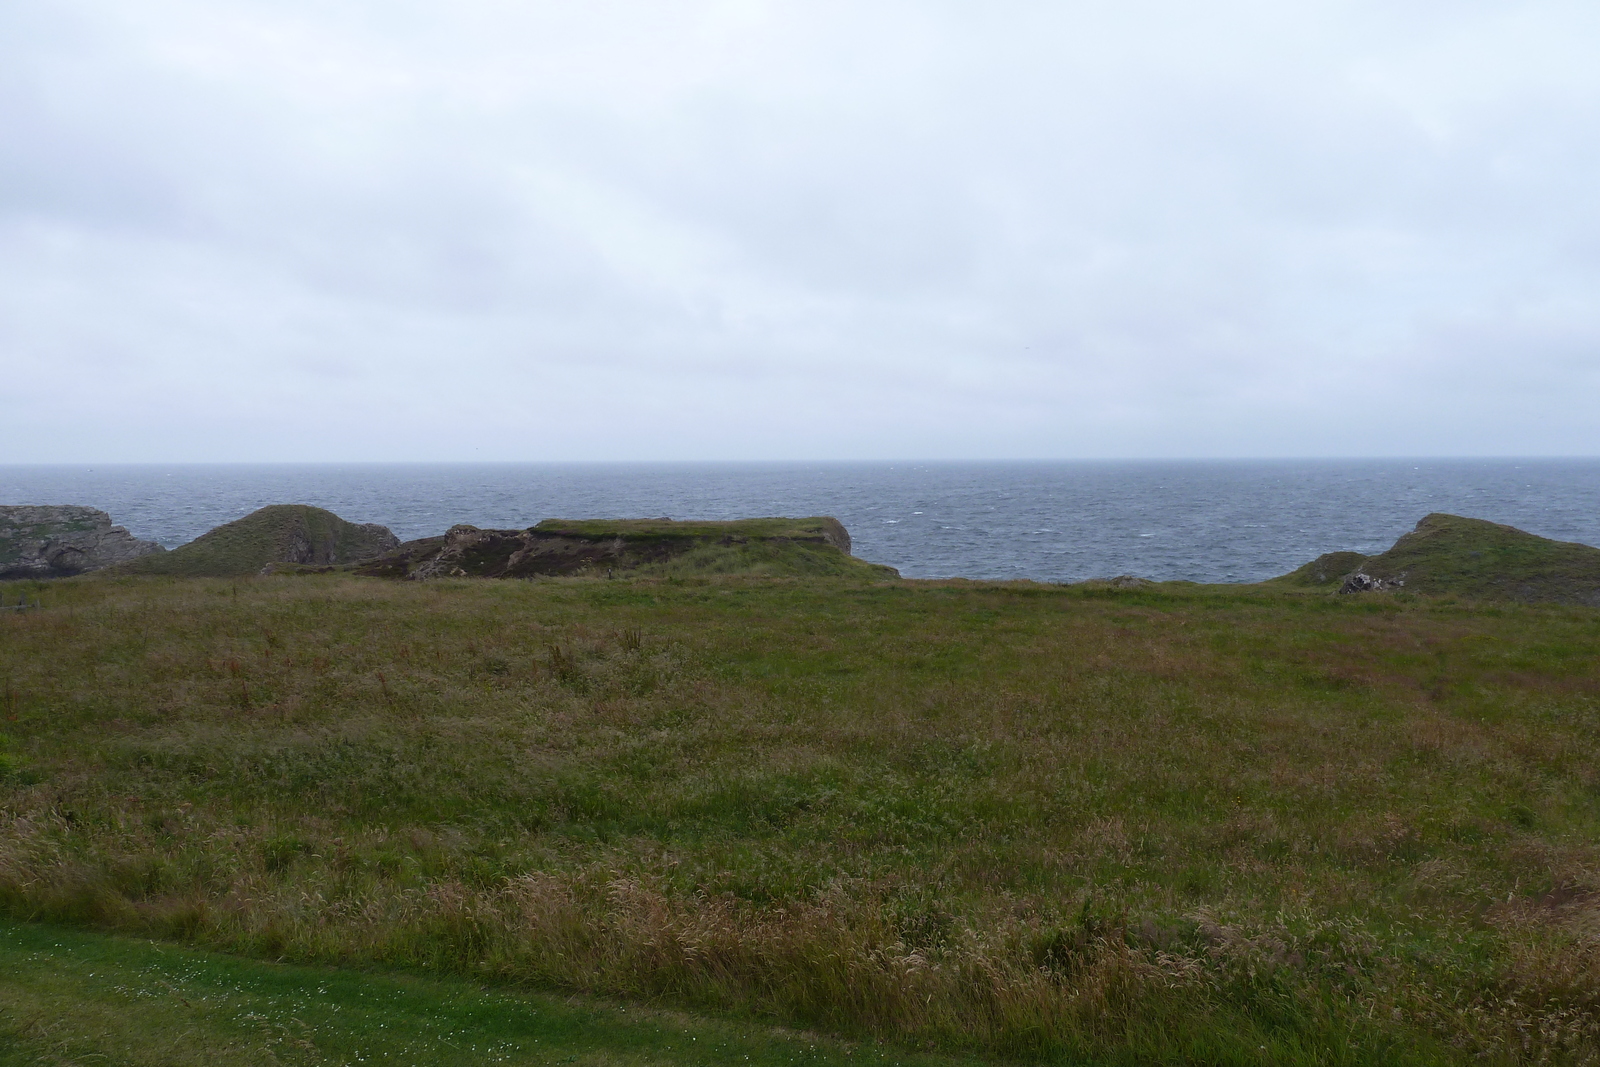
{"type": "Point", "coordinates": [58, 541]}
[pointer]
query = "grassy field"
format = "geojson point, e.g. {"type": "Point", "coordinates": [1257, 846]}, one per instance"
{"type": "Point", "coordinates": [69, 998]}
{"type": "Point", "coordinates": [1170, 824]}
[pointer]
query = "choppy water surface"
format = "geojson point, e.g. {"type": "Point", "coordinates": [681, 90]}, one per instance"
{"type": "Point", "coordinates": [1202, 521]}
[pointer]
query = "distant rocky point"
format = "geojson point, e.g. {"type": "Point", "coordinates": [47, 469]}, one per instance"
{"type": "Point", "coordinates": [1443, 555]}
{"type": "Point", "coordinates": [299, 538]}
{"type": "Point", "coordinates": [1450, 554]}
{"type": "Point", "coordinates": [599, 547]}
{"type": "Point", "coordinates": [58, 541]}
{"type": "Point", "coordinates": [276, 534]}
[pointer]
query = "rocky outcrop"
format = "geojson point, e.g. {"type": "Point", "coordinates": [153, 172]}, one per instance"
{"type": "Point", "coordinates": [1361, 582]}
{"type": "Point", "coordinates": [58, 541]}
{"type": "Point", "coordinates": [469, 552]}
{"type": "Point", "coordinates": [814, 546]}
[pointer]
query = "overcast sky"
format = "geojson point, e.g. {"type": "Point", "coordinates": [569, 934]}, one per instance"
{"type": "Point", "coordinates": [812, 230]}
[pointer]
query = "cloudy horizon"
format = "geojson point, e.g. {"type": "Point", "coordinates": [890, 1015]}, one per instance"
{"type": "Point", "coordinates": [355, 232]}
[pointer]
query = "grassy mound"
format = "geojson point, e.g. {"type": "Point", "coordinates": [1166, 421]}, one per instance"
{"type": "Point", "coordinates": [1331, 568]}
{"type": "Point", "coordinates": [279, 533]}
{"type": "Point", "coordinates": [774, 547]}
{"type": "Point", "coordinates": [1450, 554]}
{"type": "Point", "coordinates": [1471, 557]}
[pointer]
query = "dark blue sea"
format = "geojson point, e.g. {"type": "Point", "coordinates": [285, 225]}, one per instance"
{"type": "Point", "coordinates": [1049, 521]}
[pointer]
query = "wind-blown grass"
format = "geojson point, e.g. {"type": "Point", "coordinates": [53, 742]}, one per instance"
{"type": "Point", "coordinates": [1176, 824]}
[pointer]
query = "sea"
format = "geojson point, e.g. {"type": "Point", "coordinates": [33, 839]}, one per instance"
{"type": "Point", "coordinates": [1202, 521]}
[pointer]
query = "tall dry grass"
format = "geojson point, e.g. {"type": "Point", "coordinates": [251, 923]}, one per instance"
{"type": "Point", "coordinates": [1182, 826]}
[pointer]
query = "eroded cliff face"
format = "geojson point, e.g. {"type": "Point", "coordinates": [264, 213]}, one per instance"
{"type": "Point", "coordinates": [58, 541]}
{"type": "Point", "coordinates": [468, 552]}
{"type": "Point", "coordinates": [819, 545]}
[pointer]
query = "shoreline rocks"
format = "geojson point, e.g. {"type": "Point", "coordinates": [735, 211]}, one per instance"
{"type": "Point", "coordinates": [61, 540]}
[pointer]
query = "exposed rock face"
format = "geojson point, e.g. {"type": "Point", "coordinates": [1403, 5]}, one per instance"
{"type": "Point", "coordinates": [467, 551]}
{"type": "Point", "coordinates": [1360, 582]}
{"type": "Point", "coordinates": [43, 541]}
{"type": "Point", "coordinates": [601, 547]}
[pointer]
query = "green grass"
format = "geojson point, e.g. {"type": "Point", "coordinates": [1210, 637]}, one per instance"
{"type": "Point", "coordinates": [1329, 569]}
{"type": "Point", "coordinates": [816, 528]}
{"type": "Point", "coordinates": [776, 558]}
{"type": "Point", "coordinates": [68, 997]}
{"type": "Point", "coordinates": [1470, 557]}
{"type": "Point", "coordinates": [1168, 824]}
{"type": "Point", "coordinates": [297, 533]}
{"type": "Point", "coordinates": [1448, 555]}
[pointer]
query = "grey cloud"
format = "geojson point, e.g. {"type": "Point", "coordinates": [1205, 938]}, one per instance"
{"type": "Point", "coordinates": [780, 230]}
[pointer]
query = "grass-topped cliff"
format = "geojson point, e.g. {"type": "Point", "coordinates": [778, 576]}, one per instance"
{"type": "Point", "coordinates": [278, 533]}
{"type": "Point", "coordinates": [772, 547]}
{"type": "Point", "coordinates": [300, 537]}
{"type": "Point", "coordinates": [1457, 556]}
{"type": "Point", "coordinates": [818, 529]}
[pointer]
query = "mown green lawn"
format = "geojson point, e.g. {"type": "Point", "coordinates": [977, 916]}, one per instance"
{"type": "Point", "coordinates": [68, 997]}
